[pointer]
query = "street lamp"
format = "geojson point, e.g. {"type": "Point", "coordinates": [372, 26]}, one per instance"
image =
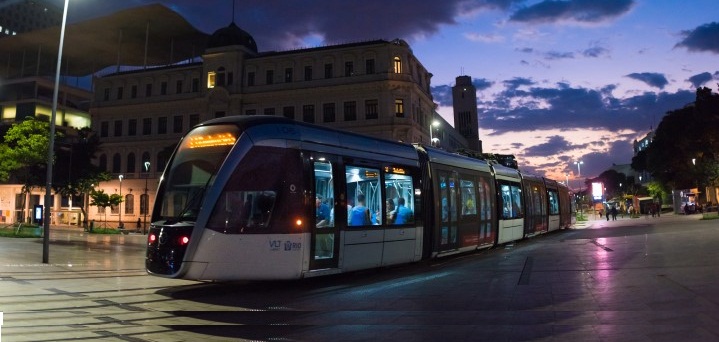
{"type": "Point", "coordinates": [51, 144]}
{"type": "Point", "coordinates": [432, 139]}
{"type": "Point", "coordinates": [119, 205]}
{"type": "Point", "coordinates": [579, 173]}
{"type": "Point", "coordinates": [147, 199]}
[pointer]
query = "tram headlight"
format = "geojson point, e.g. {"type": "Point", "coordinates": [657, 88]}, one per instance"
{"type": "Point", "coordinates": [298, 223]}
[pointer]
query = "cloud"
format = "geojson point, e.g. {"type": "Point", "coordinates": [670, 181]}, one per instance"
{"type": "Point", "coordinates": [699, 79]}
{"type": "Point", "coordinates": [554, 145]}
{"type": "Point", "coordinates": [522, 106]}
{"type": "Point", "coordinates": [704, 38]}
{"type": "Point", "coordinates": [595, 51]}
{"type": "Point", "coordinates": [579, 11]}
{"type": "Point", "coordinates": [555, 55]}
{"type": "Point", "coordinates": [653, 79]}
{"type": "Point", "coordinates": [484, 38]}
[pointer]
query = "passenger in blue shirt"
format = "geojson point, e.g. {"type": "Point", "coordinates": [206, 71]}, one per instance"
{"type": "Point", "coordinates": [402, 214]}
{"type": "Point", "coordinates": [322, 212]}
{"type": "Point", "coordinates": [359, 215]}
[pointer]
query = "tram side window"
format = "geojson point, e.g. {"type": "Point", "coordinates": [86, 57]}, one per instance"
{"type": "Point", "coordinates": [399, 206]}
{"type": "Point", "coordinates": [364, 196]}
{"type": "Point", "coordinates": [324, 203]}
{"type": "Point", "coordinates": [469, 197]}
{"type": "Point", "coordinates": [553, 202]}
{"type": "Point", "coordinates": [511, 196]}
{"type": "Point", "coordinates": [260, 197]}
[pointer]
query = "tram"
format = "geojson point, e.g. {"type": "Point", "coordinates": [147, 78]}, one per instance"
{"type": "Point", "coordinates": [262, 198]}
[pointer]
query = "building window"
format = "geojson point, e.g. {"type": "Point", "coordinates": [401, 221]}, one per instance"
{"type": "Point", "coordinates": [133, 92]}
{"type": "Point", "coordinates": [163, 88]}
{"type": "Point", "coordinates": [399, 108]}
{"type": "Point", "coordinates": [270, 77]}
{"type": "Point", "coordinates": [146, 126]}
{"type": "Point", "coordinates": [119, 92]}
{"type": "Point", "coordinates": [397, 65]}
{"type": "Point", "coordinates": [220, 77]}
{"type": "Point", "coordinates": [349, 69]}
{"type": "Point", "coordinates": [195, 85]}
{"type": "Point", "coordinates": [194, 120]}
{"type": "Point", "coordinates": [288, 112]}
{"type": "Point", "coordinates": [162, 125]}
{"type": "Point", "coordinates": [251, 112]}
{"type": "Point", "coordinates": [370, 109]}
{"type": "Point", "coordinates": [148, 90]}
{"type": "Point", "coordinates": [269, 111]}
{"type": "Point", "coordinates": [211, 75]}
{"type": "Point", "coordinates": [130, 163]}
{"type": "Point", "coordinates": [328, 112]}
{"type": "Point", "coordinates": [103, 163]}
{"type": "Point", "coordinates": [328, 70]}
{"type": "Point", "coordinates": [177, 124]}
{"type": "Point", "coordinates": [106, 95]}
{"type": "Point", "coordinates": [369, 66]}
{"type": "Point", "coordinates": [132, 127]}
{"type": "Point", "coordinates": [129, 204]}
{"type": "Point", "coordinates": [143, 204]}
{"type": "Point", "coordinates": [308, 73]}
{"type": "Point", "coordinates": [350, 109]}
{"type": "Point", "coordinates": [178, 87]}
{"type": "Point", "coordinates": [118, 128]}
{"type": "Point", "coordinates": [116, 160]}
{"type": "Point", "coordinates": [250, 78]}
{"type": "Point", "coordinates": [288, 75]}
{"type": "Point", "coordinates": [308, 113]}
{"type": "Point", "coordinates": [230, 78]}
{"type": "Point", "coordinates": [104, 129]}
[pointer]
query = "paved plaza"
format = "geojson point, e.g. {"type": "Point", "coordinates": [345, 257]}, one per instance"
{"type": "Point", "coordinates": [642, 279]}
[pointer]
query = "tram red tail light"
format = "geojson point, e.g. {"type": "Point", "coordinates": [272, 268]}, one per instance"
{"type": "Point", "coordinates": [152, 238]}
{"type": "Point", "coordinates": [184, 240]}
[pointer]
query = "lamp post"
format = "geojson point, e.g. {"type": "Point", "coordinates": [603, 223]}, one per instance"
{"type": "Point", "coordinates": [147, 199]}
{"type": "Point", "coordinates": [432, 139]}
{"type": "Point", "coordinates": [119, 205]}
{"type": "Point", "coordinates": [51, 144]}
{"type": "Point", "coordinates": [579, 173]}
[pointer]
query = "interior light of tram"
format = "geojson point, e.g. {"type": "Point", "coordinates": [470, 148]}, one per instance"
{"type": "Point", "coordinates": [210, 140]}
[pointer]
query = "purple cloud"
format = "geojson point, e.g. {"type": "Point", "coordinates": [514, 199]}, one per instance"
{"type": "Point", "coordinates": [702, 38]}
{"type": "Point", "coordinates": [588, 11]}
{"type": "Point", "coordinates": [653, 79]}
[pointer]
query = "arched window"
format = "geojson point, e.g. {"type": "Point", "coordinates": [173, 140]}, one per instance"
{"type": "Point", "coordinates": [144, 199]}
{"type": "Point", "coordinates": [131, 163]}
{"type": "Point", "coordinates": [397, 65]}
{"type": "Point", "coordinates": [129, 204]}
{"type": "Point", "coordinates": [103, 162]}
{"type": "Point", "coordinates": [116, 161]}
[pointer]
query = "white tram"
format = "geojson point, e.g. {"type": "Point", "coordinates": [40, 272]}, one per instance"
{"type": "Point", "coordinates": [270, 198]}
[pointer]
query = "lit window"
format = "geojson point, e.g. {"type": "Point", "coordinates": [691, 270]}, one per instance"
{"type": "Point", "coordinates": [211, 79]}
{"type": "Point", "coordinates": [397, 65]}
{"type": "Point", "coordinates": [399, 108]}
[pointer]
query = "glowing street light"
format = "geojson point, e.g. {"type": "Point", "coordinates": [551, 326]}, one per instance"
{"type": "Point", "coordinates": [433, 141]}
{"type": "Point", "coordinates": [147, 199]}
{"type": "Point", "coordinates": [579, 173]}
{"type": "Point", "coordinates": [119, 206]}
{"type": "Point", "coordinates": [51, 144]}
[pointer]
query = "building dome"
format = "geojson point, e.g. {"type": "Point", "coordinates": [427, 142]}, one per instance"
{"type": "Point", "coordinates": [232, 35]}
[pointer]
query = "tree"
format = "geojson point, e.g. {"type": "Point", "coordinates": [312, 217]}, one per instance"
{"type": "Point", "coordinates": [75, 175]}
{"type": "Point", "coordinates": [611, 180]}
{"type": "Point", "coordinates": [100, 199]}
{"type": "Point", "coordinates": [23, 154]}
{"type": "Point", "coordinates": [683, 152]}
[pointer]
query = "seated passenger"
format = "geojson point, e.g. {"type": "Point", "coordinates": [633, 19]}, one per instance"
{"type": "Point", "coordinates": [322, 212]}
{"type": "Point", "coordinates": [403, 214]}
{"type": "Point", "coordinates": [359, 215]}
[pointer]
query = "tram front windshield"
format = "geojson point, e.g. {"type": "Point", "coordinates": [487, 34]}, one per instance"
{"type": "Point", "coordinates": [200, 155]}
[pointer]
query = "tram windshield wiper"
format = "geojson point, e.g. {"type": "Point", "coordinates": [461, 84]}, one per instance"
{"type": "Point", "coordinates": [193, 203]}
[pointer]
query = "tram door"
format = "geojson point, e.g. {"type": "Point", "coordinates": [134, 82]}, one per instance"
{"type": "Point", "coordinates": [448, 235]}
{"type": "Point", "coordinates": [325, 237]}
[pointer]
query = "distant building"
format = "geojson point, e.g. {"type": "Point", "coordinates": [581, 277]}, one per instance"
{"type": "Point", "coordinates": [642, 144]}
{"type": "Point", "coordinates": [466, 121]}
{"type": "Point", "coordinates": [20, 16]}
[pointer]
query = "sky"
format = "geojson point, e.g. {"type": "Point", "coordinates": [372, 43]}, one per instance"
{"type": "Point", "coordinates": [558, 81]}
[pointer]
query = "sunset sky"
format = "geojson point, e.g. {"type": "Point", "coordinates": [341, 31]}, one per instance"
{"type": "Point", "coordinates": [558, 81]}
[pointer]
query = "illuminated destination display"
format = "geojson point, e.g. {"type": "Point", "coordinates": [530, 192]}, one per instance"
{"type": "Point", "coordinates": [210, 140]}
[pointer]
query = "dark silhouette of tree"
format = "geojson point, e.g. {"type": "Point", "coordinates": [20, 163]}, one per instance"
{"type": "Point", "coordinates": [683, 152]}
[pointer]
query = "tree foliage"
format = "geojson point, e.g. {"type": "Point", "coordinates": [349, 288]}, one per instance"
{"type": "Point", "coordinates": [23, 153]}
{"type": "Point", "coordinates": [683, 153]}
